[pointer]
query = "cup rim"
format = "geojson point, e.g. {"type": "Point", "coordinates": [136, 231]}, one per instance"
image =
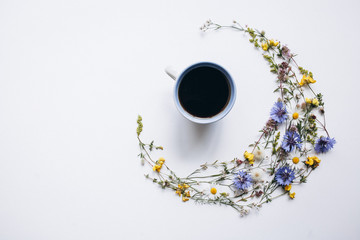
{"type": "Point", "coordinates": [216, 117]}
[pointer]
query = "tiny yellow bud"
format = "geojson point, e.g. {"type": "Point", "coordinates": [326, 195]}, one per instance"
{"type": "Point", "coordinates": [288, 188]}
{"type": "Point", "coordinates": [213, 190]}
{"type": "Point", "coordinates": [187, 194]}
{"type": "Point", "coordinates": [184, 199]}
{"type": "Point", "coordinates": [308, 100]}
{"type": "Point", "coordinates": [292, 195]}
{"type": "Point", "coordinates": [295, 160]}
{"type": "Point", "coordinates": [295, 115]}
{"type": "Point", "coordinates": [315, 102]}
{"type": "Point", "coordinates": [273, 43]}
{"type": "Point", "coordinates": [265, 46]}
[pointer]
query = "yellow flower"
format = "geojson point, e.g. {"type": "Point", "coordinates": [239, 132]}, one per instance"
{"type": "Point", "coordinates": [265, 46]}
{"type": "Point", "coordinates": [288, 188]}
{"type": "Point", "coordinates": [295, 160]}
{"type": "Point", "coordinates": [249, 156]}
{"type": "Point", "coordinates": [187, 194]}
{"type": "Point", "coordinates": [313, 161]}
{"type": "Point", "coordinates": [315, 102]}
{"type": "Point", "coordinates": [308, 100]}
{"type": "Point", "coordinates": [185, 199]}
{"type": "Point", "coordinates": [157, 167]}
{"type": "Point", "coordinates": [161, 161]}
{"type": "Point", "coordinates": [306, 80]}
{"type": "Point", "coordinates": [292, 195]}
{"type": "Point", "coordinates": [213, 190]}
{"type": "Point", "coordinates": [273, 43]}
{"type": "Point", "coordinates": [178, 192]}
{"type": "Point", "coordinates": [295, 115]}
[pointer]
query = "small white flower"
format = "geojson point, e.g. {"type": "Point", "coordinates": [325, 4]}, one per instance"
{"type": "Point", "coordinates": [258, 155]}
{"type": "Point", "coordinates": [257, 175]}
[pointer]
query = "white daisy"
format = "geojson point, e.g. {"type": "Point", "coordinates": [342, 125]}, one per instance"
{"type": "Point", "coordinates": [258, 154]}
{"type": "Point", "coordinates": [257, 175]}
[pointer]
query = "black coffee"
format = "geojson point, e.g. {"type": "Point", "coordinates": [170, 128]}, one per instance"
{"type": "Point", "coordinates": [204, 92]}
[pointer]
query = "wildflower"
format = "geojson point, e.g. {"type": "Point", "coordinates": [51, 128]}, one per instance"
{"type": "Point", "coordinates": [157, 167]}
{"type": "Point", "coordinates": [308, 100]}
{"type": "Point", "coordinates": [324, 144]}
{"type": "Point", "coordinates": [286, 52]}
{"type": "Point", "coordinates": [291, 141]}
{"type": "Point", "coordinates": [315, 102]}
{"type": "Point", "coordinates": [284, 176]}
{"type": "Point", "coordinates": [270, 126]}
{"type": "Point", "coordinates": [313, 161]}
{"type": "Point", "coordinates": [238, 161]}
{"type": "Point", "coordinates": [185, 199]}
{"type": "Point", "coordinates": [265, 46]}
{"type": "Point", "coordinates": [257, 175]}
{"type": "Point", "coordinates": [292, 195]}
{"type": "Point", "coordinates": [258, 155]}
{"type": "Point", "coordinates": [213, 190]}
{"type": "Point", "coordinates": [273, 43]}
{"type": "Point", "coordinates": [249, 156]}
{"type": "Point", "coordinates": [258, 193]}
{"type": "Point", "coordinates": [242, 180]}
{"type": "Point", "coordinates": [278, 113]}
{"type": "Point", "coordinates": [306, 80]}
{"type": "Point", "coordinates": [287, 187]}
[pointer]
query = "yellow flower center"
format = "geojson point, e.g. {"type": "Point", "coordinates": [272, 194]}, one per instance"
{"type": "Point", "coordinates": [213, 190]}
{"type": "Point", "coordinates": [295, 115]}
{"type": "Point", "coordinates": [295, 160]}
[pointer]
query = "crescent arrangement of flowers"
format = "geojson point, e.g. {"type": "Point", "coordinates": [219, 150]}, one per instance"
{"type": "Point", "coordinates": [290, 146]}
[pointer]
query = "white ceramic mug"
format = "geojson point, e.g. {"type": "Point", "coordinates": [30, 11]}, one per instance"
{"type": "Point", "coordinates": [203, 120]}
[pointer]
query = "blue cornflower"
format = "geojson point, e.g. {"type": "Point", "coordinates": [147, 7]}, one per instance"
{"type": "Point", "coordinates": [324, 144]}
{"type": "Point", "coordinates": [291, 140]}
{"type": "Point", "coordinates": [242, 180]}
{"type": "Point", "coordinates": [278, 112]}
{"type": "Point", "coordinates": [284, 176]}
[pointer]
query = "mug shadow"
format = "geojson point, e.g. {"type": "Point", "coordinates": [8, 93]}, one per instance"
{"type": "Point", "coordinates": [196, 142]}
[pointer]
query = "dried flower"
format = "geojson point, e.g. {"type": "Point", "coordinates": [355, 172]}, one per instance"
{"type": "Point", "coordinates": [258, 154]}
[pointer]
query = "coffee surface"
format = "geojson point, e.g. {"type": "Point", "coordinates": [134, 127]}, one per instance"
{"type": "Point", "coordinates": [204, 92]}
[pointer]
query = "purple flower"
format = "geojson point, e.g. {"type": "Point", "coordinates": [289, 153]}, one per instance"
{"type": "Point", "coordinates": [286, 52]}
{"type": "Point", "coordinates": [242, 180]}
{"type": "Point", "coordinates": [278, 113]}
{"type": "Point", "coordinates": [284, 176]}
{"type": "Point", "coordinates": [291, 140]}
{"type": "Point", "coordinates": [324, 144]}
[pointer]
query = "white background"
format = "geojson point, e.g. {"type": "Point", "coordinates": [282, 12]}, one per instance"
{"type": "Point", "coordinates": [75, 74]}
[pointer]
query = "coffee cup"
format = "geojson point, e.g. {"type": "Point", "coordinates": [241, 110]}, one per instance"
{"type": "Point", "coordinates": [204, 92]}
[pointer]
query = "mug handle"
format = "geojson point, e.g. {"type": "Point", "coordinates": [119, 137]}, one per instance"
{"type": "Point", "coordinates": [171, 72]}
